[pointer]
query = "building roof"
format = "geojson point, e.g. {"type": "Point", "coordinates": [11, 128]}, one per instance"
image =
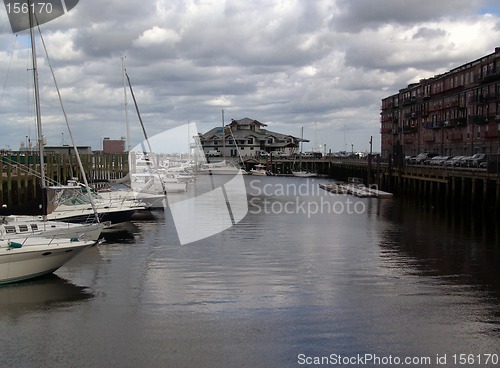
{"type": "Point", "coordinates": [259, 134]}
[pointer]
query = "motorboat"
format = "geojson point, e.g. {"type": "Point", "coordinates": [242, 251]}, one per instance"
{"type": "Point", "coordinates": [12, 226]}
{"type": "Point", "coordinates": [221, 168]}
{"type": "Point", "coordinates": [30, 257]}
{"type": "Point", "coordinates": [150, 201]}
{"type": "Point", "coordinates": [259, 170]}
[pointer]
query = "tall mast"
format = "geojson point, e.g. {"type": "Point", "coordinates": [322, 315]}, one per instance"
{"type": "Point", "coordinates": [223, 137]}
{"type": "Point", "coordinates": [37, 107]}
{"type": "Point", "coordinates": [124, 71]}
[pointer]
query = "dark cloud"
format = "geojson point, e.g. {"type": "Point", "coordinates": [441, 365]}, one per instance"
{"type": "Point", "coordinates": [356, 15]}
{"type": "Point", "coordinates": [290, 64]}
{"type": "Point", "coordinates": [428, 33]}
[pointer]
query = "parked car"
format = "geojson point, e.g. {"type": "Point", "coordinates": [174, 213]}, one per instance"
{"type": "Point", "coordinates": [453, 161]}
{"type": "Point", "coordinates": [278, 154]}
{"type": "Point", "coordinates": [409, 158]}
{"type": "Point", "coordinates": [476, 160]}
{"type": "Point", "coordinates": [436, 160]}
{"type": "Point", "coordinates": [421, 157]}
{"type": "Point", "coordinates": [214, 153]}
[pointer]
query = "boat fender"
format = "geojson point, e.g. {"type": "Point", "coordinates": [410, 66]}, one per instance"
{"type": "Point", "coordinates": [14, 245]}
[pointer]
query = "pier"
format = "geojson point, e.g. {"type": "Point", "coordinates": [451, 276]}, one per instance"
{"type": "Point", "coordinates": [471, 187]}
{"type": "Point", "coordinates": [20, 190]}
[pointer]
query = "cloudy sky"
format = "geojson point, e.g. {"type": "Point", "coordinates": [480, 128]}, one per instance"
{"type": "Point", "coordinates": [323, 65]}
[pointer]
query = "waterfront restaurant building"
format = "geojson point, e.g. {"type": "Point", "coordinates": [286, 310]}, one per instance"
{"type": "Point", "coordinates": [249, 137]}
{"type": "Point", "coordinates": [455, 113]}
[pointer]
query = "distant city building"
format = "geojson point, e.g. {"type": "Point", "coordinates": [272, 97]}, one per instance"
{"type": "Point", "coordinates": [455, 113]}
{"type": "Point", "coordinates": [249, 137]}
{"type": "Point", "coordinates": [65, 149]}
{"type": "Point", "coordinates": [113, 145]}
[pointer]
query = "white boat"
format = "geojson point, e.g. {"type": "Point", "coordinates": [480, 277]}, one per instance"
{"type": "Point", "coordinates": [301, 173]}
{"type": "Point", "coordinates": [73, 205]}
{"type": "Point", "coordinates": [150, 183]}
{"type": "Point", "coordinates": [221, 168]}
{"type": "Point", "coordinates": [259, 170]}
{"type": "Point", "coordinates": [26, 258]}
{"type": "Point", "coordinates": [127, 195]}
{"type": "Point", "coordinates": [23, 258]}
{"type": "Point", "coordinates": [12, 226]}
{"type": "Point", "coordinates": [304, 174]}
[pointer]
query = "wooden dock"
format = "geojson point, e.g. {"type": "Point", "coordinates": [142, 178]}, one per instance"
{"type": "Point", "coordinates": [20, 189]}
{"type": "Point", "coordinates": [355, 187]}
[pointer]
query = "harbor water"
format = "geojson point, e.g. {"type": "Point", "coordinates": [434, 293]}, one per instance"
{"type": "Point", "coordinates": [306, 278]}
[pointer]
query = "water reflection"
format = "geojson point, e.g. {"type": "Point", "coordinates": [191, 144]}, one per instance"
{"type": "Point", "coordinates": [396, 279]}
{"type": "Point", "coordinates": [458, 251]}
{"type": "Point", "coordinates": [43, 293]}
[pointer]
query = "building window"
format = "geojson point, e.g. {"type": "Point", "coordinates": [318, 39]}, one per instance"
{"type": "Point", "coordinates": [250, 140]}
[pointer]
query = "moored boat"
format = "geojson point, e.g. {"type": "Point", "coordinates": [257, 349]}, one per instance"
{"type": "Point", "coordinates": [30, 257]}
{"type": "Point", "coordinates": [259, 170]}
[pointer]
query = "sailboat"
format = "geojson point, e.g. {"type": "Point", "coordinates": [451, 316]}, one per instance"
{"type": "Point", "coordinates": [33, 256]}
{"type": "Point", "coordinates": [301, 173]}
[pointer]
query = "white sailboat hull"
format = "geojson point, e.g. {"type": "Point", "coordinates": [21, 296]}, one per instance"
{"type": "Point", "coordinates": [258, 172]}
{"type": "Point", "coordinates": [304, 174]}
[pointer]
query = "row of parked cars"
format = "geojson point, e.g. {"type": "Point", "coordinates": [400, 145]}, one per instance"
{"type": "Point", "coordinates": [479, 160]}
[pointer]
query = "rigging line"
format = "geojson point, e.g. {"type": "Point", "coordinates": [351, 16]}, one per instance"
{"type": "Point", "coordinates": [8, 69]}
{"type": "Point", "coordinates": [146, 137]}
{"type": "Point", "coordinates": [80, 165]}
{"type": "Point", "coordinates": [28, 170]}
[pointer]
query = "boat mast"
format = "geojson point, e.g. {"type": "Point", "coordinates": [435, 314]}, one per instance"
{"type": "Point", "coordinates": [124, 71]}
{"type": "Point", "coordinates": [37, 109]}
{"type": "Point", "coordinates": [223, 137]}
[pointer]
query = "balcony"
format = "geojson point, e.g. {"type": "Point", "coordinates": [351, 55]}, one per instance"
{"type": "Point", "coordinates": [434, 125]}
{"type": "Point", "coordinates": [489, 76]}
{"type": "Point", "coordinates": [476, 100]}
{"type": "Point", "coordinates": [409, 100]}
{"type": "Point", "coordinates": [409, 129]}
{"type": "Point", "coordinates": [455, 122]}
{"type": "Point", "coordinates": [477, 120]}
{"type": "Point", "coordinates": [492, 118]}
{"type": "Point", "coordinates": [492, 97]}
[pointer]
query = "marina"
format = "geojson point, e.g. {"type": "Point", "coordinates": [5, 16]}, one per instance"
{"type": "Point", "coordinates": [389, 278]}
{"type": "Point", "coordinates": [250, 242]}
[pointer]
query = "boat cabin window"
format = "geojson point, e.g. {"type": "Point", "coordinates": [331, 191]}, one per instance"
{"type": "Point", "coordinates": [34, 227]}
{"type": "Point", "coordinates": [10, 229]}
{"type": "Point", "coordinates": [23, 228]}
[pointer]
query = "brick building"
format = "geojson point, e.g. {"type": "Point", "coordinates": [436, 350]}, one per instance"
{"type": "Point", "coordinates": [113, 145]}
{"type": "Point", "coordinates": [455, 113]}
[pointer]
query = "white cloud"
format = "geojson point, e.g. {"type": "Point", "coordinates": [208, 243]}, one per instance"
{"type": "Point", "coordinates": [156, 36]}
{"type": "Point", "coordinates": [287, 63]}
